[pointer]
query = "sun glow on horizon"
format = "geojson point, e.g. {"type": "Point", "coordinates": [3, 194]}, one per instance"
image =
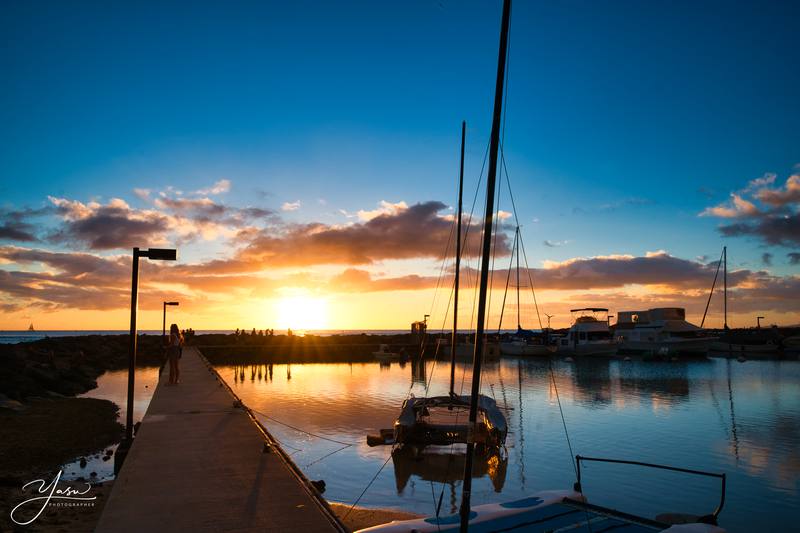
{"type": "Point", "coordinates": [301, 312]}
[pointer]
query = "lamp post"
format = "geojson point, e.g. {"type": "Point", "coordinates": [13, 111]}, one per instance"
{"type": "Point", "coordinates": [164, 320]}
{"type": "Point", "coordinates": [758, 321]}
{"type": "Point", "coordinates": [156, 254]}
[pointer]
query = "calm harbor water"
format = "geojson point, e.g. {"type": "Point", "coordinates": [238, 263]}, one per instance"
{"type": "Point", "coordinates": [113, 385]}
{"type": "Point", "coordinates": [721, 415]}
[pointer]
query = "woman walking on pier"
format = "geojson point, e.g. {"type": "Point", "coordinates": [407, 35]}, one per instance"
{"type": "Point", "coordinates": [174, 349]}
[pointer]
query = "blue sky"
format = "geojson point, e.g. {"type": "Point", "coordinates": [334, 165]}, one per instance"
{"type": "Point", "coordinates": [625, 120]}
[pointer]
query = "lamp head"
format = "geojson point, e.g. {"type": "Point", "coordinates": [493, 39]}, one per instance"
{"type": "Point", "coordinates": [161, 254]}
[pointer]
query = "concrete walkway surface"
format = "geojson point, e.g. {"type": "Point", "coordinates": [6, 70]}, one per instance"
{"type": "Point", "coordinates": [198, 464]}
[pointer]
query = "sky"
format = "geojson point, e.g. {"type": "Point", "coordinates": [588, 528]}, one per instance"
{"type": "Point", "coordinates": [303, 158]}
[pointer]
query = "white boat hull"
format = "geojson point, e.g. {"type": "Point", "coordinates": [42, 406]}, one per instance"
{"type": "Point", "coordinates": [726, 347]}
{"type": "Point", "coordinates": [668, 346]}
{"type": "Point", "coordinates": [589, 349]}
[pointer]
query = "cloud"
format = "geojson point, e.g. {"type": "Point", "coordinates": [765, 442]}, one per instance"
{"type": "Point", "coordinates": [789, 194]}
{"type": "Point", "coordinates": [655, 268]}
{"type": "Point", "coordinates": [221, 186]}
{"type": "Point", "coordinates": [11, 230]}
{"type": "Point", "coordinates": [766, 258]}
{"type": "Point", "coordinates": [794, 258]}
{"type": "Point", "coordinates": [290, 206]}
{"type": "Point", "coordinates": [385, 208]}
{"type": "Point", "coordinates": [355, 280]}
{"type": "Point", "coordinates": [16, 225]}
{"type": "Point", "coordinates": [397, 233]}
{"type": "Point", "coordinates": [781, 230]}
{"type": "Point", "coordinates": [775, 222]}
{"type": "Point", "coordinates": [143, 194]}
{"type": "Point", "coordinates": [105, 227]}
{"type": "Point", "coordinates": [555, 244]}
{"type": "Point", "coordinates": [738, 208]}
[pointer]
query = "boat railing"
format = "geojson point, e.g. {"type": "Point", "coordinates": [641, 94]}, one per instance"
{"type": "Point", "coordinates": [579, 459]}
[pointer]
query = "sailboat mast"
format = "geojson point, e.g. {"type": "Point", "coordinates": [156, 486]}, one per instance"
{"type": "Point", "coordinates": [725, 285]}
{"type": "Point", "coordinates": [458, 262]}
{"type": "Point", "coordinates": [494, 144]}
{"type": "Point", "coordinates": [519, 324]}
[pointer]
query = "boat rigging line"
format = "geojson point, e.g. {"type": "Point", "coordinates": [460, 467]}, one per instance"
{"type": "Point", "coordinates": [713, 284]}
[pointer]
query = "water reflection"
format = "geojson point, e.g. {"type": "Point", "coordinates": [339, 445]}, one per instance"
{"type": "Point", "coordinates": [718, 414]}
{"type": "Point", "coordinates": [113, 386]}
{"type": "Point", "coordinates": [447, 468]}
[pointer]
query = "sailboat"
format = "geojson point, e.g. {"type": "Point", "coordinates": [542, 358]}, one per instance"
{"type": "Point", "coordinates": [559, 510]}
{"type": "Point", "coordinates": [438, 420]}
{"type": "Point", "coordinates": [740, 342]}
{"type": "Point", "coordinates": [30, 328]}
{"type": "Point", "coordinates": [523, 342]}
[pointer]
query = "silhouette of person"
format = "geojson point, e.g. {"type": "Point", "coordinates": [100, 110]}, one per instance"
{"type": "Point", "coordinates": [174, 350]}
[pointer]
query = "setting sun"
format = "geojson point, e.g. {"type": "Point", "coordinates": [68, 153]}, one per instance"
{"type": "Point", "coordinates": [302, 312]}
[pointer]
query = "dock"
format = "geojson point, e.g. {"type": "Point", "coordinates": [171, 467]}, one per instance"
{"type": "Point", "coordinates": [200, 462]}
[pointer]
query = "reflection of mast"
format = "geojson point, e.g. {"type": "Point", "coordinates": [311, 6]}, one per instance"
{"type": "Point", "coordinates": [725, 285]}
{"type": "Point", "coordinates": [521, 429]}
{"type": "Point", "coordinates": [733, 416]}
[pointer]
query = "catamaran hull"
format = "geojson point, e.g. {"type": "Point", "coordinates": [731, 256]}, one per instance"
{"type": "Point", "coordinates": [544, 511]}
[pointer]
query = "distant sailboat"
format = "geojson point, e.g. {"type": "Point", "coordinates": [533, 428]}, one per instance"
{"type": "Point", "coordinates": [30, 328]}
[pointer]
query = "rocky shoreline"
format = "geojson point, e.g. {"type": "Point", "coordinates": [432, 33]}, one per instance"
{"type": "Point", "coordinates": [44, 426]}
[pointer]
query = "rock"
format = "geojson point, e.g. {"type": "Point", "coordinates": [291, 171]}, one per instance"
{"type": "Point", "coordinates": [319, 485]}
{"type": "Point", "coordinates": [106, 457]}
{"type": "Point", "coordinates": [109, 452]}
{"type": "Point", "coordinates": [83, 462]}
{"type": "Point", "coordinates": [14, 405]}
{"type": "Point", "coordinates": [93, 474]}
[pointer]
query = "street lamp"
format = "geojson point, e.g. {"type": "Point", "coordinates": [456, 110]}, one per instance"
{"type": "Point", "coordinates": [758, 321]}
{"type": "Point", "coordinates": [164, 320]}
{"type": "Point", "coordinates": [157, 254]}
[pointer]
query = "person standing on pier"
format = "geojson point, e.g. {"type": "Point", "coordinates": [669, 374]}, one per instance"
{"type": "Point", "coordinates": [174, 350]}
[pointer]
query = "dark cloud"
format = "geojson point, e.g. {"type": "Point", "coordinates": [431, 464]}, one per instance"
{"type": "Point", "coordinates": [413, 232]}
{"type": "Point", "coordinates": [108, 228]}
{"type": "Point", "coordinates": [618, 271]}
{"type": "Point", "coordinates": [787, 195]}
{"type": "Point", "coordinates": [16, 225]}
{"type": "Point", "coordinates": [766, 258]}
{"type": "Point", "coordinates": [774, 229]}
{"type": "Point", "coordinates": [794, 258]}
{"type": "Point", "coordinates": [17, 231]}
{"type": "Point", "coordinates": [775, 222]}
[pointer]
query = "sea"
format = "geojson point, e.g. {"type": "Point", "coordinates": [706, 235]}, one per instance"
{"type": "Point", "coordinates": [740, 418]}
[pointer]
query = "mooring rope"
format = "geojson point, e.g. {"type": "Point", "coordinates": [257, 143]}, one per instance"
{"type": "Point", "coordinates": [300, 429]}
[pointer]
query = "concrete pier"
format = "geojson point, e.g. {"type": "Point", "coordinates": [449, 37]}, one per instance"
{"type": "Point", "coordinates": [198, 463]}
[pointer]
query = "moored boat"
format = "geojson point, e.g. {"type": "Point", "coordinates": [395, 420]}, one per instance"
{"type": "Point", "coordinates": [384, 354]}
{"type": "Point", "coordinates": [589, 334]}
{"type": "Point", "coordinates": [662, 331]}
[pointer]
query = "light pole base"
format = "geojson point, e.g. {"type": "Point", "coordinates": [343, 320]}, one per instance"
{"type": "Point", "coordinates": [122, 452]}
